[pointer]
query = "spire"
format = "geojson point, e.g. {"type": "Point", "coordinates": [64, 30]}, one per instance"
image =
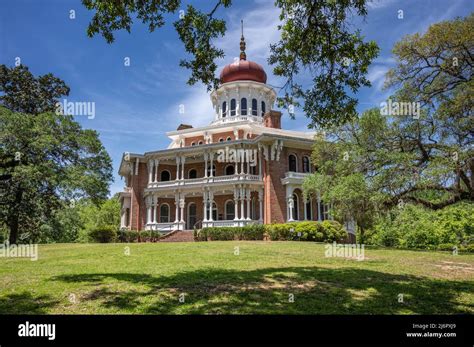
{"type": "Point", "coordinates": [243, 56]}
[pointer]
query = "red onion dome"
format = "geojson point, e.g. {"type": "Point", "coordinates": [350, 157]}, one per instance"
{"type": "Point", "coordinates": [243, 70]}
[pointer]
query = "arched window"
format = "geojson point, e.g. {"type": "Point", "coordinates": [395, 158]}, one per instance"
{"type": "Point", "coordinates": [292, 163]}
{"type": "Point", "coordinates": [221, 140]}
{"type": "Point", "coordinates": [224, 109]}
{"type": "Point", "coordinates": [254, 107]}
{"type": "Point", "coordinates": [165, 175]}
{"type": "Point", "coordinates": [213, 170]}
{"type": "Point", "coordinates": [232, 107]}
{"type": "Point", "coordinates": [193, 143]}
{"type": "Point", "coordinates": [263, 108]}
{"type": "Point", "coordinates": [295, 207]}
{"type": "Point", "coordinates": [229, 138]}
{"type": "Point", "coordinates": [243, 106]}
{"type": "Point", "coordinates": [229, 170]}
{"type": "Point", "coordinates": [192, 173]}
{"type": "Point", "coordinates": [200, 142]}
{"type": "Point", "coordinates": [229, 210]}
{"type": "Point", "coordinates": [164, 213]}
{"type": "Point", "coordinates": [306, 164]}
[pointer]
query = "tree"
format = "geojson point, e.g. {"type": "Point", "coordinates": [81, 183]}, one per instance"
{"type": "Point", "coordinates": [316, 40]}
{"type": "Point", "coordinates": [22, 92]}
{"type": "Point", "coordinates": [57, 161]}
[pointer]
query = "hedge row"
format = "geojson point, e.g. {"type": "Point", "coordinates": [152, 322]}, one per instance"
{"type": "Point", "coordinates": [248, 232]}
{"type": "Point", "coordinates": [326, 231]}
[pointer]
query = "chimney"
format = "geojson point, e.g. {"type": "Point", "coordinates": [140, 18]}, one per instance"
{"type": "Point", "coordinates": [272, 119]}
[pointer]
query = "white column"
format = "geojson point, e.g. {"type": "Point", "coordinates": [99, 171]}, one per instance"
{"type": "Point", "coordinates": [259, 158]}
{"type": "Point", "coordinates": [150, 170]}
{"type": "Point", "coordinates": [290, 203]}
{"type": "Point", "coordinates": [248, 202]}
{"type": "Point", "coordinates": [236, 171]}
{"type": "Point", "coordinates": [204, 207]}
{"type": "Point", "coordinates": [183, 159]}
{"type": "Point", "coordinates": [211, 154]}
{"type": "Point", "coordinates": [242, 199]}
{"type": "Point", "coordinates": [181, 206]}
{"type": "Point", "coordinates": [178, 159]}
{"type": "Point", "coordinates": [205, 164]}
{"type": "Point", "coordinates": [242, 165]}
{"type": "Point", "coordinates": [157, 163]}
{"type": "Point", "coordinates": [148, 210]}
{"type": "Point", "coordinates": [260, 205]}
{"type": "Point", "coordinates": [236, 203]}
{"type": "Point", "coordinates": [211, 200]}
{"type": "Point", "coordinates": [176, 203]}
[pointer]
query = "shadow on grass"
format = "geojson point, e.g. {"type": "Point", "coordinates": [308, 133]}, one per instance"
{"type": "Point", "coordinates": [269, 291]}
{"type": "Point", "coordinates": [26, 303]}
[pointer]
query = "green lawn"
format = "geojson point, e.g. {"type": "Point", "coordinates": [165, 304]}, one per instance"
{"type": "Point", "coordinates": [100, 278]}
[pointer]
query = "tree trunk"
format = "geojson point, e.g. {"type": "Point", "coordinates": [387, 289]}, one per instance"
{"type": "Point", "coordinates": [13, 220]}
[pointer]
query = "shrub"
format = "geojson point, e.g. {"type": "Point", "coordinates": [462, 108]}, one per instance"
{"type": "Point", "coordinates": [446, 247]}
{"type": "Point", "coordinates": [104, 234]}
{"type": "Point", "coordinates": [248, 232]}
{"type": "Point", "coordinates": [127, 236]}
{"type": "Point", "coordinates": [326, 231]}
{"type": "Point", "coordinates": [468, 248]}
{"type": "Point", "coordinates": [333, 231]}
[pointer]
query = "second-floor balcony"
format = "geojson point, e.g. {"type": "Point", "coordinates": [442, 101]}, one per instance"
{"type": "Point", "coordinates": [193, 182]}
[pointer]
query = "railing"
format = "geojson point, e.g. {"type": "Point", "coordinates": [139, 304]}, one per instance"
{"type": "Point", "coordinates": [238, 118]}
{"type": "Point", "coordinates": [301, 175]}
{"type": "Point", "coordinates": [161, 226]}
{"type": "Point", "coordinates": [229, 223]}
{"type": "Point", "coordinates": [204, 180]}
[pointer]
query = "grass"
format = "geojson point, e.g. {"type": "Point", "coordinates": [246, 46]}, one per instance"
{"type": "Point", "coordinates": [262, 279]}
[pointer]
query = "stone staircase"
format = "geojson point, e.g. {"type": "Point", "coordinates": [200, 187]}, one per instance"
{"type": "Point", "coordinates": [178, 236]}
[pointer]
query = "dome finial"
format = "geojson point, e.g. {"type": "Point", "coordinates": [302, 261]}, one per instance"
{"type": "Point", "coordinates": [243, 56]}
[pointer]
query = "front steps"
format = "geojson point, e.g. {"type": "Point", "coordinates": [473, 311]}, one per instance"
{"type": "Point", "coordinates": [178, 236]}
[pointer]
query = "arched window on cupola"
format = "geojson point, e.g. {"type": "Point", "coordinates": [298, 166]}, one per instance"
{"type": "Point", "coordinates": [254, 107]}
{"type": "Point", "coordinates": [263, 108]}
{"type": "Point", "coordinates": [243, 106]}
{"type": "Point", "coordinates": [224, 109]}
{"type": "Point", "coordinates": [233, 105]}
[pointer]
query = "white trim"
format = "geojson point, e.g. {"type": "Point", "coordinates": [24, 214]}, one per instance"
{"type": "Point", "coordinates": [169, 211]}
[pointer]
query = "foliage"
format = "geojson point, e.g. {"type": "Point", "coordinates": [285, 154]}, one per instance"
{"type": "Point", "coordinates": [103, 234]}
{"type": "Point", "coordinates": [98, 216]}
{"type": "Point", "coordinates": [326, 231]}
{"type": "Point", "coordinates": [417, 227]}
{"type": "Point", "coordinates": [22, 92]}
{"type": "Point", "coordinates": [128, 236]}
{"type": "Point", "coordinates": [316, 40]}
{"type": "Point", "coordinates": [56, 161]}
{"type": "Point", "coordinates": [248, 232]}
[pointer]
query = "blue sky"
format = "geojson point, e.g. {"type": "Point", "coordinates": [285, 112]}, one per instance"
{"type": "Point", "coordinates": [137, 104]}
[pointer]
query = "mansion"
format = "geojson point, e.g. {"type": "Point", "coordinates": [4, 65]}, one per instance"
{"type": "Point", "coordinates": [240, 169]}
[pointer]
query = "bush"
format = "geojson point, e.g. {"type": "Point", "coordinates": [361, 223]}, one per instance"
{"type": "Point", "coordinates": [326, 231]}
{"type": "Point", "coordinates": [248, 232]}
{"type": "Point", "coordinates": [420, 228]}
{"type": "Point", "coordinates": [446, 247]}
{"type": "Point", "coordinates": [104, 234]}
